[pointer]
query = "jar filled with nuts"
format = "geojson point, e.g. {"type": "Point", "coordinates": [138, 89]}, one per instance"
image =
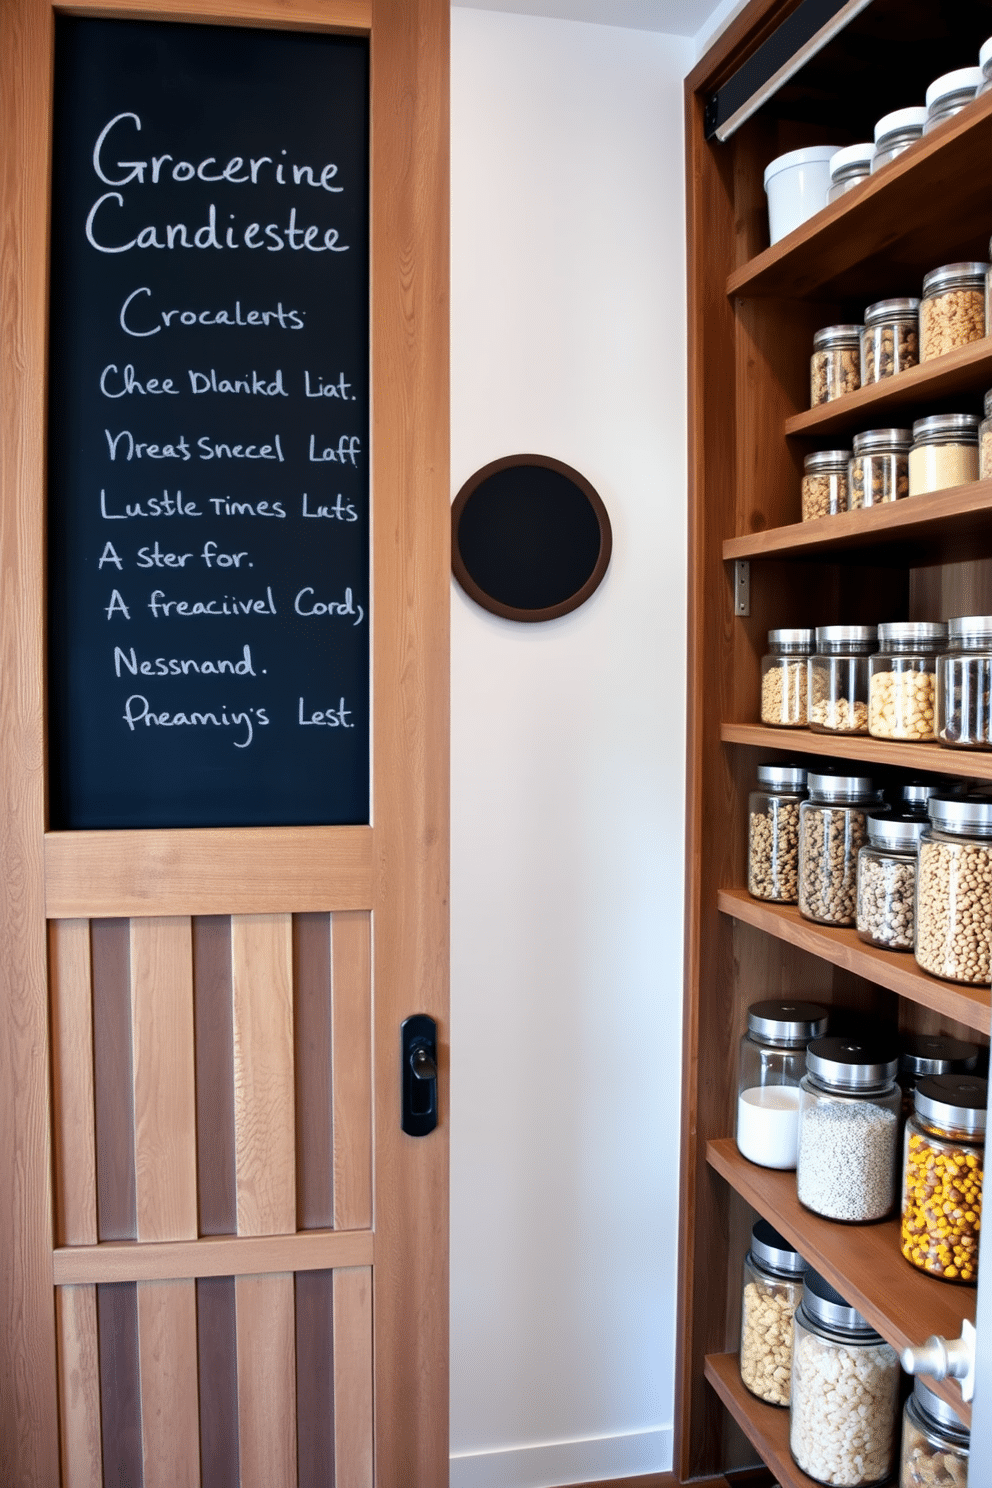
{"type": "Point", "coordinates": [964, 684]}
{"type": "Point", "coordinates": [783, 678]}
{"type": "Point", "coordinates": [843, 1418]}
{"type": "Point", "coordinates": [952, 310]}
{"type": "Point", "coordinates": [879, 468]}
{"type": "Point", "coordinates": [832, 831]}
{"type": "Point", "coordinates": [943, 1164]}
{"type": "Point", "coordinates": [771, 1064]}
{"type": "Point", "coordinates": [949, 94]}
{"type": "Point", "coordinates": [849, 1106]}
{"type": "Point", "coordinates": [935, 1443]}
{"type": "Point", "coordinates": [848, 168]}
{"type": "Point", "coordinates": [824, 489]}
{"type": "Point", "coordinates": [835, 366]}
{"type": "Point", "coordinates": [924, 1054]}
{"type": "Point", "coordinates": [944, 452]}
{"type": "Point", "coordinates": [887, 881]}
{"type": "Point", "coordinates": [838, 679]}
{"type": "Point", "coordinates": [773, 1289]}
{"type": "Point", "coordinates": [954, 889]}
{"type": "Point", "coordinates": [902, 680]}
{"type": "Point", "coordinates": [773, 833]}
{"type": "Point", "coordinates": [985, 441]}
{"type": "Point", "coordinates": [895, 132]}
{"type": "Point", "coordinates": [890, 341]}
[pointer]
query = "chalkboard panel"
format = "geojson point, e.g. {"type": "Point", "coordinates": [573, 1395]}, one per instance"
{"type": "Point", "coordinates": [208, 518]}
{"type": "Point", "coordinates": [530, 538]}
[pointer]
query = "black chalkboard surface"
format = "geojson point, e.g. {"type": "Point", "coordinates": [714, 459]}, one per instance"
{"type": "Point", "coordinates": [208, 519]}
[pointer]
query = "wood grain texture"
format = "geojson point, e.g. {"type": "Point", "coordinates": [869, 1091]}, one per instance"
{"type": "Point", "coordinates": [315, 1422]}
{"type": "Point", "coordinates": [314, 1083]}
{"type": "Point", "coordinates": [353, 1459]}
{"type": "Point", "coordinates": [216, 1255]}
{"type": "Point", "coordinates": [766, 1426]}
{"type": "Point", "coordinates": [113, 1079]}
{"type": "Point", "coordinates": [287, 15]}
{"type": "Point", "coordinates": [217, 1340]}
{"type": "Point", "coordinates": [167, 1362]}
{"type": "Point", "coordinates": [164, 1079]}
{"type": "Point", "coordinates": [266, 1381]}
{"type": "Point", "coordinates": [79, 1387]}
{"type": "Point", "coordinates": [926, 759]}
{"type": "Point", "coordinates": [120, 1385]}
{"type": "Point", "coordinates": [214, 1014]}
{"type": "Point", "coordinates": [264, 1116]}
{"type": "Point", "coordinates": [351, 1082]}
{"type": "Point", "coordinates": [73, 1098]}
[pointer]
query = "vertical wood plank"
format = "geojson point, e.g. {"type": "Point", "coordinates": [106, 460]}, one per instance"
{"type": "Point", "coordinates": [167, 1355]}
{"type": "Point", "coordinates": [351, 1080]}
{"type": "Point", "coordinates": [214, 1075]}
{"type": "Point", "coordinates": [264, 1115]}
{"type": "Point", "coordinates": [266, 1381]}
{"type": "Point", "coordinates": [353, 1459]}
{"type": "Point", "coordinates": [111, 959]}
{"type": "Point", "coordinates": [74, 1111]}
{"type": "Point", "coordinates": [164, 1079]}
{"type": "Point", "coordinates": [120, 1386]}
{"type": "Point", "coordinates": [79, 1387]}
{"type": "Point", "coordinates": [314, 1084]}
{"type": "Point", "coordinates": [315, 1430]}
{"type": "Point", "coordinates": [217, 1336]}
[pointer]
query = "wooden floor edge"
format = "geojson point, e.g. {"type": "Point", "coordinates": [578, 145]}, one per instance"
{"type": "Point", "coordinates": [215, 1255]}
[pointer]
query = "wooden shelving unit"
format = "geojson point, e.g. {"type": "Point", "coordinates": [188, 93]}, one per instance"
{"type": "Point", "coordinates": [753, 311]}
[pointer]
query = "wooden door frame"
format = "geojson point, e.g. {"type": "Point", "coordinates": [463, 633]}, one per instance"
{"type": "Point", "coordinates": [398, 867]}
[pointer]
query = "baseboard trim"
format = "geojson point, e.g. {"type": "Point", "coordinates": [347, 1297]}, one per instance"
{"type": "Point", "coordinates": [634, 1460]}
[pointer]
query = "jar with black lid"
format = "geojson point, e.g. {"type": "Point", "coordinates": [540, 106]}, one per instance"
{"type": "Point", "coordinates": [902, 674]}
{"type": "Point", "coordinates": [771, 1063]}
{"type": "Point", "coordinates": [849, 1107]}
{"type": "Point", "coordinates": [784, 677]}
{"type": "Point", "coordinates": [773, 833]}
{"type": "Point", "coordinates": [952, 308]}
{"type": "Point", "coordinates": [879, 467]}
{"type": "Point", "coordinates": [923, 1054]}
{"type": "Point", "coordinates": [890, 341]}
{"type": "Point", "coordinates": [835, 366]}
{"type": "Point", "coordinates": [773, 1289]}
{"type": "Point", "coordinates": [887, 881]}
{"type": "Point", "coordinates": [832, 831]}
{"type": "Point", "coordinates": [964, 684]}
{"type": "Point", "coordinates": [943, 1165]}
{"type": "Point", "coordinates": [935, 1442]}
{"type": "Point", "coordinates": [837, 692]}
{"type": "Point", "coordinates": [954, 889]}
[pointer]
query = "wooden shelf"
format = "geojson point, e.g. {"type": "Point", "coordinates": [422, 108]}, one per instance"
{"type": "Point", "coordinates": [863, 1262]}
{"type": "Point", "coordinates": [765, 1426]}
{"type": "Point", "coordinates": [943, 527]}
{"type": "Point", "coordinates": [895, 970]}
{"type": "Point", "coordinates": [927, 759]}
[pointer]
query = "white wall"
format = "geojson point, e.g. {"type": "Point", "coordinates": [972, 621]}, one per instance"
{"type": "Point", "coordinates": [567, 774]}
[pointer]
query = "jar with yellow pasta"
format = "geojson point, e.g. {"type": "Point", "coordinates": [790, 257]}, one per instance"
{"type": "Point", "coordinates": [943, 1164]}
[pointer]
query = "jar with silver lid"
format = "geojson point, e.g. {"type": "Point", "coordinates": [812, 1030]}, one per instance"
{"type": "Point", "coordinates": [824, 488]}
{"type": "Point", "coordinates": [838, 678]}
{"type": "Point", "coordinates": [935, 1443]}
{"type": "Point", "coordinates": [922, 1054]}
{"type": "Point", "coordinates": [949, 94]}
{"type": "Point", "coordinates": [985, 441]}
{"type": "Point", "coordinates": [985, 65]}
{"type": "Point", "coordinates": [952, 309]}
{"type": "Point", "coordinates": [944, 452]}
{"type": "Point", "coordinates": [773, 1289]}
{"type": "Point", "coordinates": [835, 366]}
{"type": "Point", "coordinates": [964, 684]}
{"type": "Point", "coordinates": [954, 889]}
{"type": "Point", "coordinates": [887, 881]}
{"type": "Point", "coordinates": [890, 341]}
{"type": "Point", "coordinates": [849, 1106]}
{"type": "Point", "coordinates": [901, 683]}
{"type": "Point", "coordinates": [832, 831]}
{"type": "Point", "coordinates": [879, 468]}
{"type": "Point", "coordinates": [943, 1165]}
{"type": "Point", "coordinates": [845, 1391]}
{"type": "Point", "coordinates": [773, 833]}
{"type": "Point", "coordinates": [771, 1063]}
{"type": "Point", "coordinates": [848, 168]}
{"type": "Point", "coordinates": [914, 795]}
{"type": "Point", "coordinates": [784, 677]}
{"type": "Point", "coordinates": [895, 132]}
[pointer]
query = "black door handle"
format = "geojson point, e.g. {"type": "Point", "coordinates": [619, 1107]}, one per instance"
{"type": "Point", "coordinates": [418, 1074]}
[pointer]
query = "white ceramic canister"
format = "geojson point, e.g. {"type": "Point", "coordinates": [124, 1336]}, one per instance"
{"type": "Point", "coordinates": [796, 185]}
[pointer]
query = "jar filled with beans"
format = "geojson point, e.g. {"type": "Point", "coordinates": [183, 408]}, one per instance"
{"type": "Point", "coordinates": [952, 308]}
{"type": "Point", "coordinates": [835, 366]}
{"type": "Point", "coordinates": [964, 684]}
{"type": "Point", "coordinates": [783, 678]}
{"type": "Point", "coordinates": [943, 1164]}
{"type": "Point", "coordinates": [922, 1054]}
{"type": "Point", "coordinates": [879, 468]}
{"type": "Point", "coordinates": [849, 1106]}
{"type": "Point", "coordinates": [944, 452]}
{"type": "Point", "coordinates": [824, 488]}
{"type": "Point", "coordinates": [773, 1289]}
{"type": "Point", "coordinates": [887, 881]}
{"type": "Point", "coordinates": [890, 341]}
{"type": "Point", "coordinates": [838, 678]}
{"type": "Point", "coordinates": [773, 833]}
{"type": "Point", "coordinates": [935, 1443]}
{"type": "Point", "coordinates": [954, 889]}
{"type": "Point", "coordinates": [832, 831]}
{"type": "Point", "coordinates": [902, 680]}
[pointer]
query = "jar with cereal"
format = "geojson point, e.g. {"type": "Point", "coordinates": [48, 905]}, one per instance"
{"type": "Point", "coordinates": [944, 452]}
{"type": "Point", "coordinates": [943, 1164]}
{"type": "Point", "coordinates": [890, 341]}
{"type": "Point", "coordinates": [964, 684]}
{"type": "Point", "coordinates": [783, 678]}
{"type": "Point", "coordinates": [773, 833]}
{"type": "Point", "coordinates": [845, 1391]}
{"type": "Point", "coordinates": [849, 1106]}
{"type": "Point", "coordinates": [771, 1063]}
{"type": "Point", "coordinates": [902, 676]}
{"type": "Point", "coordinates": [879, 468]}
{"type": "Point", "coordinates": [824, 488]}
{"type": "Point", "coordinates": [985, 441]}
{"type": "Point", "coordinates": [935, 1443]}
{"type": "Point", "coordinates": [832, 831]}
{"type": "Point", "coordinates": [952, 310]}
{"type": "Point", "coordinates": [838, 678]}
{"type": "Point", "coordinates": [887, 881]}
{"type": "Point", "coordinates": [773, 1289]}
{"type": "Point", "coordinates": [954, 889]}
{"type": "Point", "coordinates": [835, 366]}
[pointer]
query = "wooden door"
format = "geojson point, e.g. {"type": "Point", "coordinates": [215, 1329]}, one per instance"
{"type": "Point", "coordinates": [223, 1262]}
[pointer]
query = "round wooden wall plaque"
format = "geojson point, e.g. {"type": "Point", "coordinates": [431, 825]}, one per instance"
{"type": "Point", "coordinates": [530, 538]}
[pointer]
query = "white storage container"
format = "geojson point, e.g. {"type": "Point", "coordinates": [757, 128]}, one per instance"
{"type": "Point", "coordinates": [796, 185]}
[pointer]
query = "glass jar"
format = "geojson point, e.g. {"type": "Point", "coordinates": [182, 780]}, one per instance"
{"type": "Point", "coordinates": [838, 678]}
{"type": "Point", "coordinates": [890, 341]}
{"type": "Point", "coordinates": [824, 489]}
{"type": "Point", "coordinates": [773, 1289]}
{"type": "Point", "coordinates": [943, 1164]}
{"type": "Point", "coordinates": [901, 683]}
{"type": "Point", "coordinates": [832, 831]}
{"type": "Point", "coordinates": [783, 678]}
{"type": "Point", "coordinates": [964, 684]}
{"type": "Point", "coordinates": [835, 366]}
{"type": "Point", "coordinates": [770, 1065]}
{"type": "Point", "coordinates": [845, 1391]}
{"type": "Point", "coordinates": [849, 1106]}
{"type": "Point", "coordinates": [895, 132]}
{"type": "Point", "coordinates": [924, 1054]}
{"type": "Point", "coordinates": [848, 168]}
{"type": "Point", "coordinates": [948, 95]}
{"type": "Point", "coordinates": [914, 795]}
{"type": "Point", "coordinates": [954, 889]}
{"type": "Point", "coordinates": [879, 468]}
{"type": "Point", "coordinates": [944, 453]}
{"type": "Point", "coordinates": [935, 1442]}
{"type": "Point", "coordinates": [887, 881]}
{"type": "Point", "coordinates": [985, 63]}
{"type": "Point", "coordinates": [952, 310]}
{"type": "Point", "coordinates": [985, 441]}
{"type": "Point", "coordinates": [773, 833]}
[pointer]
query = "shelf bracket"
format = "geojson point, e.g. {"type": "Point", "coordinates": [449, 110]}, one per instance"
{"type": "Point", "coordinates": [742, 587]}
